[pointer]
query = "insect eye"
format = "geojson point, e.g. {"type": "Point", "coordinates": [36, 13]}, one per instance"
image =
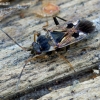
{"type": "Point", "coordinates": [36, 47]}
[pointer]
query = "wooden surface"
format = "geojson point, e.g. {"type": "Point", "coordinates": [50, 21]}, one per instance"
{"type": "Point", "coordinates": [21, 29]}
{"type": "Point", "coordinates": [88, 90]}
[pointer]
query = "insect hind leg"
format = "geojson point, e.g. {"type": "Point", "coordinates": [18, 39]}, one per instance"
{"type": "Point", "coordinates": [60, 56]}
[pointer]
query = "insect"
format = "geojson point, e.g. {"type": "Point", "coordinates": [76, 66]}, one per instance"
{"type": "Point", "coordinates": [56, 38]}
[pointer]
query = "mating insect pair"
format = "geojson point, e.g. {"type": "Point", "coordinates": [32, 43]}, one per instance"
{"type": "Point", "coordinates": [55, 39]}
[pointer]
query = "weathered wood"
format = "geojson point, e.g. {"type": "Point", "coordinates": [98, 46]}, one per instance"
{"type": "Point", "coordinates": [12, 57]}
{"type": "Point", "coordinates": [82, 91]}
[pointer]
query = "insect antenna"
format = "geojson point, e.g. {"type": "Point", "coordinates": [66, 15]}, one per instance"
{"type": "Point", "coordinates": [13, 39]}
{"type": "Point", "coordinates": [28, 60]}
{"type": "Point", "coordinates": [20, 76]}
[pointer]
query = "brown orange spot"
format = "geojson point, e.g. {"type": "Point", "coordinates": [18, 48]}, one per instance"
{"type": "Point", "coordinates": [51, 8]}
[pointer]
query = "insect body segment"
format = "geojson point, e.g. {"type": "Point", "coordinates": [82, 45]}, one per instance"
{"type": "Point", "coordinates": [74, 31]}
{"type": "Point", "coordinates": [43, 41]}
{"type": "Point", "coordinates": [41, 44]}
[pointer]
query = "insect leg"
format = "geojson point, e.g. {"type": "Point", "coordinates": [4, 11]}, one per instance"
{"type": "Point", "coordinates": [60, 56]}
{"type": "Point", "coordinates": [61, 18]}
{"type": "Point", "coordinates": [47, 24]}
{"type": "Point", "coordinates": [35, 35]}
{"type": "Point", "coordinates": [67, 47]}
{"type": "Point", "coordinates": [28, 60]}
{"type": "Point", "coordinates": [55, 20]}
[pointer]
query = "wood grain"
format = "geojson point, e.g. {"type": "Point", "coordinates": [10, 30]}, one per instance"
{"type": "Point", "coordinates": [21, 29]}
